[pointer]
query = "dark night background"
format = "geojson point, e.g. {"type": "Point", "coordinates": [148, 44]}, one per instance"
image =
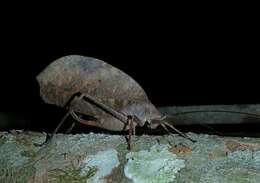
{"type": "Point", "coordinates": [180, 61]}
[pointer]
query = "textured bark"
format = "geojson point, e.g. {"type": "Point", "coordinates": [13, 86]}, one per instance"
{"type": "Point", "coordinates": [210, 159]}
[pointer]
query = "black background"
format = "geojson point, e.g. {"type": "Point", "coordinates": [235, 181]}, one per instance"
{"type": "Point", "coordinates": [184, 60]}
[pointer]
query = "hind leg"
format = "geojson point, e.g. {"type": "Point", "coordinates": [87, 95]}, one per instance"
{"type": "Point", "coordinates": [70, 104]}
{"type": "Point", "coordinates": [71, 127]}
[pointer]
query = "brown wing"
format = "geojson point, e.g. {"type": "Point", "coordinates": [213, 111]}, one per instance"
{"type": "Point", "coordinates": [68, 75]}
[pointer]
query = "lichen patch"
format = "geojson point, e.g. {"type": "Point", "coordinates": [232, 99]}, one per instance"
{"type": "Point", "coordinates": [105, 161]}
{"type": "Point", "coordinates": [157, 165]}
{"type": "Point", "coordinates": [234, 145]}
{"type": "Point", "coordinates": [180, 149]}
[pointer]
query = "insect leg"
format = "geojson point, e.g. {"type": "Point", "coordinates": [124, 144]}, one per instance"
{"type": "Point", "coordinates": [83, 121]}
{"type": "Point", "coordinates": [49, 137]}
{"type": "Point", "coordinates": [127, 120]}
{"type": "Point", "coordinates": [120, 116]}
{"type": "Point", "coordinates": [70, 104]}
{"type": "Point", "coordinates": [178, 131]}
{"type": "Point", "coordinates": [131, 131]}
{"type": "Point", "coordinates": [71, 127]}
{"type": "Point", "coordinates": [70, 112]}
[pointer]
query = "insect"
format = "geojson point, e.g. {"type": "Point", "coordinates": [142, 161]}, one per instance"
{"type": "Point", "coordinates": [91, 87]}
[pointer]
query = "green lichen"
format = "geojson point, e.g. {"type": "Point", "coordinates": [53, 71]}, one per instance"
{"type": "Point", "coordinates": [105, 161]}
{"type": "Point", "coordinates": [71, 174]}
{"type": "Point", "coordinates": [155, 166]}
{"type": "Point", "coordinates": [29, 154]}
{"type": "Point", "coordinates": [238, 166]}
{"type": "Point", "coordinates": [2, 138]}
{"type": "Point", "coordinates": [17, 174]}
{"type": "Point", "coordinates": [210, 160]}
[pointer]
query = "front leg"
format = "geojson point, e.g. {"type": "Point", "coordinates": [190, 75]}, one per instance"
{"type": "Point", "coordinates": [131, 131]}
